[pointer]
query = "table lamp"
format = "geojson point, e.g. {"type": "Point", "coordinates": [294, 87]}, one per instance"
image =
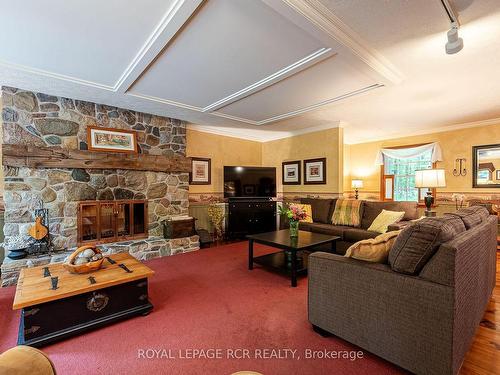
{"type": "Point", "coordinates": [356, 184]}
{"type": "Point", "coordinates": [430, 178]}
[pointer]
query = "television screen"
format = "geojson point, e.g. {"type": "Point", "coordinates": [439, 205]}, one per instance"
{"type": "Point", "coordinates": [247, 182]}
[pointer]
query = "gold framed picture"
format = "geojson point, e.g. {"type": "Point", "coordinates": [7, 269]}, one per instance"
{"type": "Point", "coordinates": [111, 140]}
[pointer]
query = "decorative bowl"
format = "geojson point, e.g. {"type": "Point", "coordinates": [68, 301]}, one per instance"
{"type": "Point", "coordinates": [85, 267]}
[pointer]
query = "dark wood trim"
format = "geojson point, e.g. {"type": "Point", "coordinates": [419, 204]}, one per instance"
{"type": "Point", "coordinates": [57, 157]}
{"type": "Point", "coordinates": [130, 132]}
{"type": "Point", "coordinates": [475, 168]}
{"type": "Point", "coordinates": [283, 164]}
{"type": "Point", "coordinates": [323, 182]}
{"type": "Point", "coordinates": [209, 182]}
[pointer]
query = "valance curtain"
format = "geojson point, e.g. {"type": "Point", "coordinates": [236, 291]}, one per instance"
{"type": "Point", "coordinates": [410, 152]}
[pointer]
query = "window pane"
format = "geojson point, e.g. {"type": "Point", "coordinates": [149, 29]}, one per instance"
{"type": "Point", "coordinates": [404, 175]}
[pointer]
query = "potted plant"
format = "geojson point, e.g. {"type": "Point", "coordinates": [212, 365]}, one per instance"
{"type": "Point", "coordinates": [216, 214]}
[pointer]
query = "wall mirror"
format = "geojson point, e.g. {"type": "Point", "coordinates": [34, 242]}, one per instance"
{"type": "Point", "coordinates": [486, 163]}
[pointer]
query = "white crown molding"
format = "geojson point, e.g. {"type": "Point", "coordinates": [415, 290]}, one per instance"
{"type": "Point", "coordinates": [264, 136]}
{"type": "Point", "coordinates": [327, 22]}
{"type": "Point", "coordinates": [304, 63]}
{"type": "Point", "coordinates": [164, 101]}
{"type": "Point", "coordinates": [173, 20]}
{"type": "Point", "coordinates": [301, 110]}
{"type": "Point", "coordinates": [50, 75]}
{"type": "Point", "coordinates": [440, 129]}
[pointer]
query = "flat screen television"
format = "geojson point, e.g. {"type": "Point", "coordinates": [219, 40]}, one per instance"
{"type": "Point", "coordinates": [249, 182]}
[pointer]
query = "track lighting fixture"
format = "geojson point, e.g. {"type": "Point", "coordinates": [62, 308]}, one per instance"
{"type": "Point", "coordinates": [454, 43]}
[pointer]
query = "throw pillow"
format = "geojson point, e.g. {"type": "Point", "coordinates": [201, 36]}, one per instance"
{"type": "Point", "coordinates": [472, 216]}
{"type": "Point", "coordinates": [374, 250]}
{"type": "Point", "coordinates": [308, 209]}
{"type": "Point", "coordinates": [384, 219]}
{"type": "Point", "coordinates": [347, 212]}
{"type": "Point", "coordinates": [320, 209]}
{"type": "Point", "coordinates": [418, 242]}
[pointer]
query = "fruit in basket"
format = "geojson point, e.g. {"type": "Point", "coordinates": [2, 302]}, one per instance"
{"type": "Point", "coordinates": [80, 260]}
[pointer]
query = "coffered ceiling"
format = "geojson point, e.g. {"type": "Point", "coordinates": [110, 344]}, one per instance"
{"type": "Point", "coordinates": [261, 69]}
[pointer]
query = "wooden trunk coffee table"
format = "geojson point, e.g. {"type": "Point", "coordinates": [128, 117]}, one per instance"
{"type": "Point", "coordinates": [306, 241]}
{"type": "Point", "coordinates": [57, 304]}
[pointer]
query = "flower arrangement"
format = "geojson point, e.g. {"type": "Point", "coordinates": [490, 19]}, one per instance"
{"type": "Point", "coordinates": [294, 213]}
{"type": "Point", "coordinates": [216, 214]}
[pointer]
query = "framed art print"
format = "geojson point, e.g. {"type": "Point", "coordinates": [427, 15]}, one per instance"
{"type": "Point", "coordinates": [200, 171]}
{"type": "Point", "coordinates": [291, 172]}
{"type": "Point", "coordinates": [315, 171]}
{"type": "Point", "coordinates": [498, 175]}
{"type": "Point", "coordinates": [111, 140]}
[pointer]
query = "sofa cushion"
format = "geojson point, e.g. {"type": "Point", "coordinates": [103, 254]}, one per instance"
{"type": "Point", "coordinates": [333, 230]}
{"type": "Point", "coordinates": [472, 216]}
{"type": "Point", "coordinates": [384, 219]}
{"type": "Point", "coordinates": [418, 242]}
{"type": "Point", "coordinates": [374, 250]}
{"type": "Point", "coordinates": [371, 209]}
{"type": "Point", "coordinates": [320, 208]}
{"type": "Point", "coordinates": [347, 212]}
{"type": "Point", "coordinates": [358, 234]}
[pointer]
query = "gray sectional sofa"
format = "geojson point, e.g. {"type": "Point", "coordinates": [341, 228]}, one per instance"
{"type": "Point", "coordinates": [322, 211]}
{"type": "Point", "coordinates": [422, 309]}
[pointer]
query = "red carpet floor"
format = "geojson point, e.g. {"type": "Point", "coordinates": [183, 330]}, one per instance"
{"type": "Point", "coordinates": [204, 300]}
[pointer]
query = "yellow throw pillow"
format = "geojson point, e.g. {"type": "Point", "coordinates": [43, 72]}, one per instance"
{"type": "Point", "coordinates": [347, 212]}
{"type": "Point", "coordinates": [384, 219]}
{"type": "Point", "coordinates": [375, 250]}
{"type": "Point", "coordinates": [308, 209]}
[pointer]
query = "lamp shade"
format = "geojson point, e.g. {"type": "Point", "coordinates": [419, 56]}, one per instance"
{"type": "Point", "coordinates": [430, 178]}
{"type": "Point", "coordinates": [356, 184]}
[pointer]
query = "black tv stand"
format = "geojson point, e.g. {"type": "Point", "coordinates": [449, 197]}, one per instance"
{"type": "Point", "coordinates": [251, 216]}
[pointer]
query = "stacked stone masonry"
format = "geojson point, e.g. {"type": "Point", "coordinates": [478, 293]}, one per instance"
{"type": "Point", "coordinates": [43, 120]}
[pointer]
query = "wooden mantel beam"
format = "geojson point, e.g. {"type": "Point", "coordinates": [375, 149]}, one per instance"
{"type": "Point", "coordinates": [57, 157]}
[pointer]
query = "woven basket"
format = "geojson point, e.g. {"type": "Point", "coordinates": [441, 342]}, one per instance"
{"type": "Point", "coordinates": [83, 268]}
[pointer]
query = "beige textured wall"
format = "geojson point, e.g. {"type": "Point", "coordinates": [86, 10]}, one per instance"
{"type": "Point", "coordinates": [455, 144]}
{"type": "Point", "coordinates": [223, 151]}
{"type": "Point", "coordinates": [325, 143]}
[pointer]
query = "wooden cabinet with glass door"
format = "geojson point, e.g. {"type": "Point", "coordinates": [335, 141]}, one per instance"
{"type": "Point", "coordinates": [112, 221]}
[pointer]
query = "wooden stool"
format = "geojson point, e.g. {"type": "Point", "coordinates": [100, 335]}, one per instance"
{"type": "Point", "coordinates": [25, 360]}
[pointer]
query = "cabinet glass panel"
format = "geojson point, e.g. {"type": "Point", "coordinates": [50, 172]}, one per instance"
{"type": "Point", "coordinates": [139, 218]}
{"type": "Point", "coordinates": [123, 220]}
{"type": "Point", "coordinates": [89, 222]}
{"type": "Point", "coordinates": [107, 220]}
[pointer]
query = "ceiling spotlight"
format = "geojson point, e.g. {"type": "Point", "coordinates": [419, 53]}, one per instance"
{"type": "Point", "coordinates": [454, 44]}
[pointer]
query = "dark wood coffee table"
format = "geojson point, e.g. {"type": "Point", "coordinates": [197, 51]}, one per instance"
{"type": "Point", "coordinates": [304, 243]}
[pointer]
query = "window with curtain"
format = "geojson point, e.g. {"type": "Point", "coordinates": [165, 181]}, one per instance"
{"type": "Point", "coordinates": [403, 176]}
{"type": "Point", "coordinates": [398, 166]}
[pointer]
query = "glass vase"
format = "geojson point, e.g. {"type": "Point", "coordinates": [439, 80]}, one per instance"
{"type": "Point", "coordinates": [294, 228]}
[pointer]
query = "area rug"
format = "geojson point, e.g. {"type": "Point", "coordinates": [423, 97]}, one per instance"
{"type": "Point", "coordinates": [211, 316]}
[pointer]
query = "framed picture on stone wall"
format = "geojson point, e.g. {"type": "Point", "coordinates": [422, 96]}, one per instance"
{"type": "Point", "coordinates": [290, 172]}
{"type": "Point", "coordinates": [111, 140]}
{"type": "Point", "coordinates": [315, 171]}
{"type": "Point", "coordinates": [200, 171]}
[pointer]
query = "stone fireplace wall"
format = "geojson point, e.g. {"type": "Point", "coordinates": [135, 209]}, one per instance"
{"type": "Point", "coordinates": [43, 120]}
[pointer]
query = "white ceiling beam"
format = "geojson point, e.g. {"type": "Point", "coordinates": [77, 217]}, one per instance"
{"type": "Point", "coordinates": [316, 18]}
{"type": "Point", "coordinates": [278, 76]}
{"type": "Point", "coordinates": [170, 24]}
